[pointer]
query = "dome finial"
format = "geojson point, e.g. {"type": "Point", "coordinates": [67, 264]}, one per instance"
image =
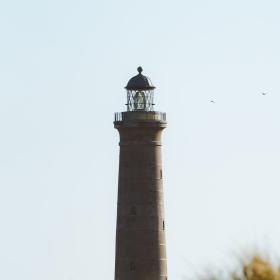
{"type": "Point", "coordinates": [140, 69]}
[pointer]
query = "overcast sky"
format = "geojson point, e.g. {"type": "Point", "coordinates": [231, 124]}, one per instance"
{"type": "Point", "coordinates": [63, 68]}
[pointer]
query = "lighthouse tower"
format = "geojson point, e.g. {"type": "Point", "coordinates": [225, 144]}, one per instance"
{"type": "Point", "coordinates": [140, 233]}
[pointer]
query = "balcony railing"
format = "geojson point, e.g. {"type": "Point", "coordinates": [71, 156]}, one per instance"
{"type": "Point", "coordinates": [141, 116]}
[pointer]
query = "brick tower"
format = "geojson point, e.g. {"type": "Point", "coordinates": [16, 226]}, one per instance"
{"type": "Point", "coordinates": [140, 233]}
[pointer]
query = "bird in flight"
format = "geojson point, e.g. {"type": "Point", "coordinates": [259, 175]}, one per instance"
{"type": "Point", "coordinates": [264, 93]}
{"type": "Point", "coordinates": [212, 101]}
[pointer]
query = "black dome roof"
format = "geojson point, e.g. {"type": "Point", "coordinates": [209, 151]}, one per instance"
{"type": "Point", "coordinates": [140, 82]}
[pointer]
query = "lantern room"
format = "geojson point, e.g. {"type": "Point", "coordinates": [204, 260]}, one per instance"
{"type": "Point", "coordinates": [140, 93]}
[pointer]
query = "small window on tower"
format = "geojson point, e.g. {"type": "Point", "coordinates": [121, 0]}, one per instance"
{"type": "Point", "coordinates": [161, 174]}
{"type": "Point", "coordinates": [132, 211]}
{"type": "Point", "coordinates": [163, 225]}
{"type": "Point", "coordinates": [132, 267]}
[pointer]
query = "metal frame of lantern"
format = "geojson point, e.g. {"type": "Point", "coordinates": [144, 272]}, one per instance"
{"type": "Point", "coordinates": [140, 100]}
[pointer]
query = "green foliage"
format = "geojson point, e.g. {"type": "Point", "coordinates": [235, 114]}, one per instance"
{"type": "Point", "coordinates": [257, 268]}
{"type": "Point", "coordinates": [260, 269]}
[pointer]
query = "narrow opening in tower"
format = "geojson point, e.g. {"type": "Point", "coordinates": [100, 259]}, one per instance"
{"type": "Point", "coordinates": [132, 211]}
{"type": "Point", "coordinates": [132, 267]}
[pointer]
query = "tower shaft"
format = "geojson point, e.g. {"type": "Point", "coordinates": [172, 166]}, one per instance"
{"type": "Point", "coordinates": [140, 233]}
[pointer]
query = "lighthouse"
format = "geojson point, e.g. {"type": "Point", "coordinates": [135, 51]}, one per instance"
{"type": "Point", "coordinates": [140, 229]}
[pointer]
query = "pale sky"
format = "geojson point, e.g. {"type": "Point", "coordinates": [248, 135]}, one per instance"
{"type": "Point", "coordinates": [63, 68]}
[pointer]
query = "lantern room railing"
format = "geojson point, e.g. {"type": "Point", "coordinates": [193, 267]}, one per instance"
{"type": "Point", "coordinates": [141, 116]}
